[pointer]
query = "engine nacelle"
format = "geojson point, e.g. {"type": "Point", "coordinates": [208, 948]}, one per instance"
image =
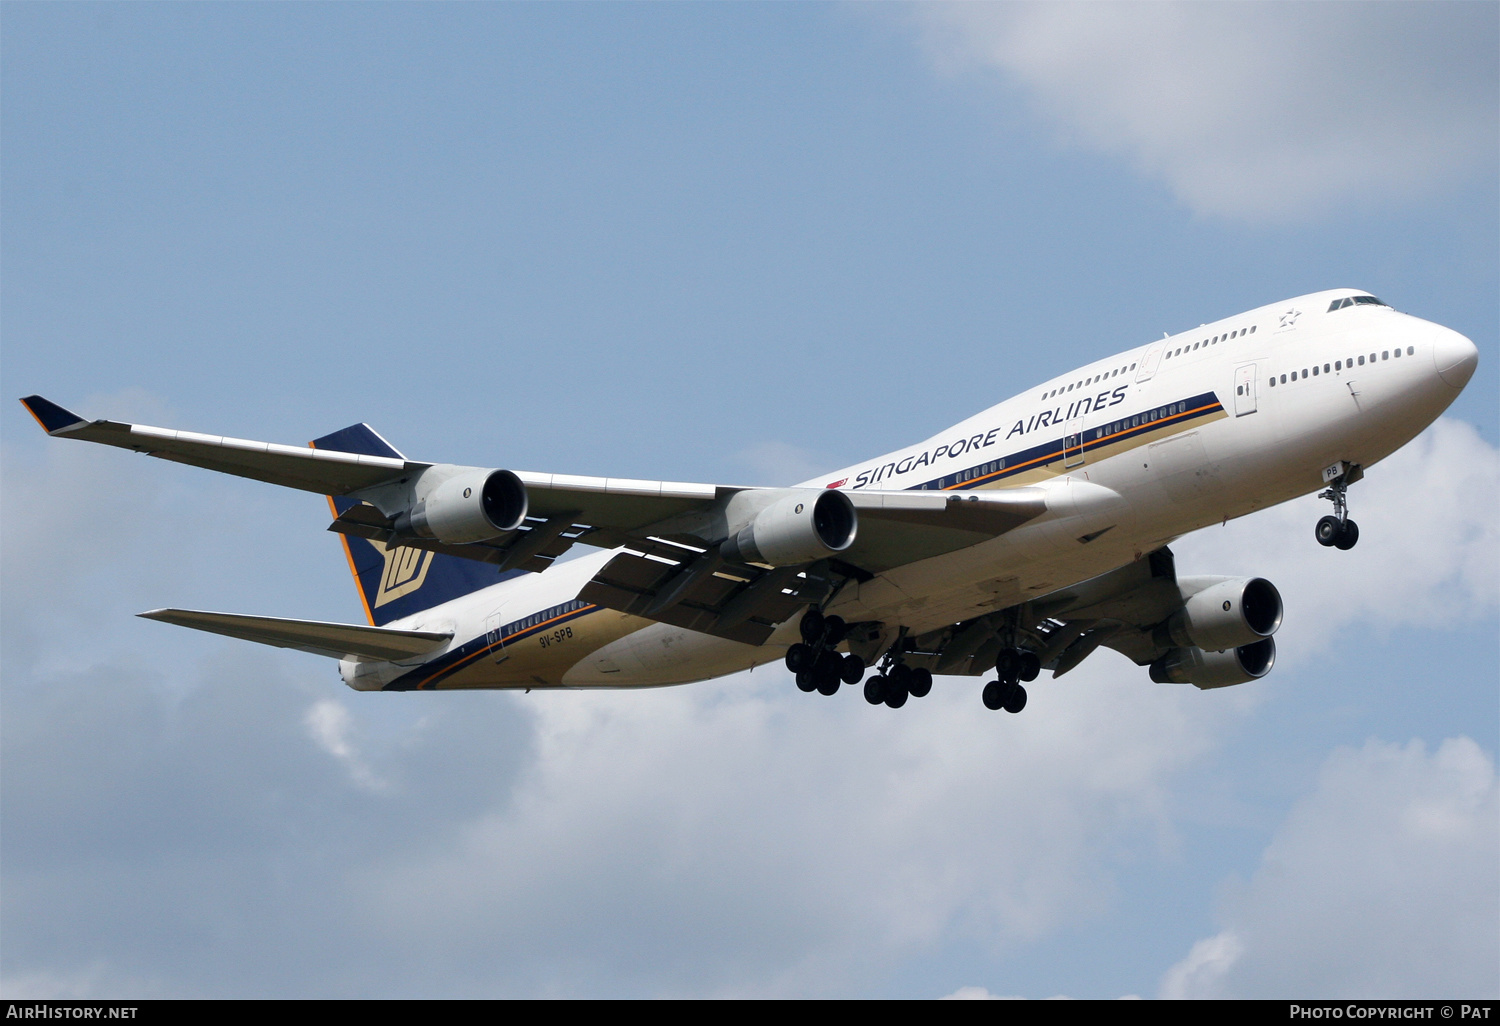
{"type": "Point", "coordinates": [1227, 614]}
{"type": "Point", "coordinates": [800, 527]}
{"type": "Point", "coordinates": [469, 507]}
{"type": "Point", "coordinates": [1215, 669]}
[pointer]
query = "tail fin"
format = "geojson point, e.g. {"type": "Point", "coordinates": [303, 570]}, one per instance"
{"type": "Point", "coordinates": [399, 581]}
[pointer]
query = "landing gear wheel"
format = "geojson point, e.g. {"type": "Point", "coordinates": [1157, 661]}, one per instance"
{"type": "Point", "coordinates": [920, 683]}
{"type": "Point", "coordinates": [806, 681]}
{"type": "Point", "coordinates": [900, 676]}
{"type": "Point", "coordinates": [875, 690]}
{"type": "Point", "coordinates": [1329, 531]}
{"type": "Point", "coordinates": [812, 626]}
{"type": "Point", "coordinates": [835, 630]}
{"type": "Point", "coordinates": [1348, 537]}
{"type": "Point", "coordinates": [895, 694]}
{"type": "Point", "coordinates": [1015, 699]}
{"type": "Point", "coordinates": [799, 657]}
{"type": "Point", "coordinates": [829, 686]}
{"type": "Point", "coordinates": [853, 669]}
{"type": "Point", "coordinates": [1031, 666]}
{"type": "Point", "coordinates": [1006, 663]}
{"type": "Point", "coordinates": [993, 695]}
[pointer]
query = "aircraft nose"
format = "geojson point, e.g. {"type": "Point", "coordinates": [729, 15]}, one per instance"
{"type": "Point", "coordinates": [1454, 357]}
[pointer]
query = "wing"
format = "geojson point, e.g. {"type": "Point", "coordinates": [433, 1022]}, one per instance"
{"type": "Point", "coordinates": [675, 535]}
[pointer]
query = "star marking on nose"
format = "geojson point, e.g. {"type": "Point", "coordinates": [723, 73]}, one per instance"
{"type": "Point", "coordinates": [1289, 319]}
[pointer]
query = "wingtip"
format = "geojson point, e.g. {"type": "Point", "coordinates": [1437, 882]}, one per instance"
{"type": "Point", "coordinates": [52, 417]}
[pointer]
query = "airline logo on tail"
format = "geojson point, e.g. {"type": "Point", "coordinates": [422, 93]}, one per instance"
{"type": "Point", "coordinates": [405, 571]}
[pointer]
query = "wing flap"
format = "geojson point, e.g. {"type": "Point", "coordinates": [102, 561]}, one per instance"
{"type": "Point", "coordinates": [336, 640]}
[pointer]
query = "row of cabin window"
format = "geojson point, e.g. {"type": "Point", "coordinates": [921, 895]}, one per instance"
{"type": "Point", "coordinates": [1211, 341]}
{"type": "Point", "coordinates": [1149, 417]}
{"type": "Point", "coordinates": [1339, 364]}
{"type": "Point", "coordinates": [1089, 381]}
{"type": "Point", "coordinates": [536, 618]}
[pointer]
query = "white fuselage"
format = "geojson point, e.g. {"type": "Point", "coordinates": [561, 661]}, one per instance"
{"type": "Point", "coordinates": [1133, 450]}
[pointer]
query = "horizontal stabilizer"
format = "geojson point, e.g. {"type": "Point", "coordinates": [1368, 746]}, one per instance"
{"type": "Point", "coordinates": [326, 639]}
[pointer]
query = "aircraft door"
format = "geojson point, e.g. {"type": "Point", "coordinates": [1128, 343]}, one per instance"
{"type": "Point", "coordinates": [1073, 441]}
{"type": "Point", "coordinates": [1244, 389]}
{"type": "Point", "coordinates": [1150, 361]}
{"type": "Point", "coordinates": [494, 635]}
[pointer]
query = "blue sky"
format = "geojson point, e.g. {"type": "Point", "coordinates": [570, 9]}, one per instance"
{"type": "Point", "coordinates": [723, 243]}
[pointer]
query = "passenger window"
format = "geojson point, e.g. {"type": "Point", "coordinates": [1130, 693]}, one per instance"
{"type": "Point", "coordinates": [1315, 372]}
{"type": "Point", "coordinates": [1411, 350]}
{"type": "Point", "coordinates": [1325, 368]}
{"type": "Point", "coordinates": [1273, 381]}
{"type": "Point", "coordinates": [1338, 365]}
{"type": "Point", "coordinates": [1304, 372]}
{"type": "Point", "coordinates": [1385, 355]}
{"type": "Point", "coordinates": [1252, 329]}
{"type": "Point", "coordinates": [1283, 379]}
{"type": "Point", "coordinates": [1398, 354]}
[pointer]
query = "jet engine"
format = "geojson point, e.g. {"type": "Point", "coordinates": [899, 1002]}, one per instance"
{"type": "Point", "coordinates": [1220, 613]}
{"type": "Point", "coordinates": [469, 507]}
{"type": "Point", "coordinates": [1202, 669]}
{"type": "Point", "coordinates": [800, 527]}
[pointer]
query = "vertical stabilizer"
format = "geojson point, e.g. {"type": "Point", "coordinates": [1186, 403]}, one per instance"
{"type": "Point", "coordinates": [399, 581]}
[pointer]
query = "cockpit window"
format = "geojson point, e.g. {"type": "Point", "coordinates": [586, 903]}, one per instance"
{"type": "Point", "coordinates": [1339, 304]}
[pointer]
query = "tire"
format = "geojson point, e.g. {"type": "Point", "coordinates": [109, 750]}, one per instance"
{"type": "Point", "coordinates": [875, 690]}
{"type": "Point", "coordinates": [1348, 537]}
{"type": "Point", "coordinates": [811, 626]}
{"type": "Point", "coordinates": [895, 695]}
{"type": "Point", "coordinates": [1031, 666]}
{"type": "Point", "coordinates": [853, 669]}
{"type": "Point", "coordinates": [1006, 663]}
{"type": "Point", "coordinates": [1015, 699]}
{"type": "Point", "coordinates": [835, 629]}
{"type": "Point", "coordinates": [920, 684]}
{"type": "Point", "coordinates": [829, 686]}
{"type": "Point", "coordinates": [993, 695]}
{"type": "Point", "coordinates": [806, 681]}
{"type": "Point", "coordinates": [900, 676]}
{"type": "Point", "coordinates": [1328, 531]}
{"type": "Point", "coordinates": [799, 657]}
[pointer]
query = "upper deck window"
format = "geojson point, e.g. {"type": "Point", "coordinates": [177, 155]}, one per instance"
{"type": "Point", "coordinates": [1339, 304]}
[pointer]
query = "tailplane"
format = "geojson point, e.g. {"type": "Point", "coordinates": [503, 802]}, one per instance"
{"type": "Point", "coordinates": [399, 581]}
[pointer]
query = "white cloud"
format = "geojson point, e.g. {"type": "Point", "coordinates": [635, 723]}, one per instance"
{"type": "Point", "coordinates": [1383, 883]}
{"type": "Point", "coordinates": [330, 724]}
{"type": "Point", "coordinates": [1255, 111]}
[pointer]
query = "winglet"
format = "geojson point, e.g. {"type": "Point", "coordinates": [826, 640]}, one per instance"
{"type": "Point", "coordinates": [52, 417]}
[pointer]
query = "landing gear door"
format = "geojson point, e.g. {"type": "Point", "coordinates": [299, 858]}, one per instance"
{"type": "Point", "coordinates": [1244, 389]}
{"type": "Point", "coordinates": [494, 636]}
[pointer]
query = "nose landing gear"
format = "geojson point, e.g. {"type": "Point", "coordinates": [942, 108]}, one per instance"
{"type": "Point", "coordinates": [1338, 530]}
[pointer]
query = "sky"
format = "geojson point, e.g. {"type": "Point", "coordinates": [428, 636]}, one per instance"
{"type": "Point", "coordinates": [735, 243]}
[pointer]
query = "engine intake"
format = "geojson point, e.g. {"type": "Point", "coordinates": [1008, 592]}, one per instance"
{"type": "Point", "coordinates": [470, 507]}
{"type": "Point", "coordinates": [1225, 614]}
{"type": "Point", "coordinates": [797, 528]}
{"type": "Point", "coordinates": [1215, 669]}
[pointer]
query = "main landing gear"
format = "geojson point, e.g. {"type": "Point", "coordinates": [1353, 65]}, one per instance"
{"type": "Point", "coordinates": [896, 682]}
{"type": "Point", "coordinates": [1338, 530]}
{"type": "Point", "coordinates": [815, 659]}
{"type": "Point", "coordinates": [1013, 665]}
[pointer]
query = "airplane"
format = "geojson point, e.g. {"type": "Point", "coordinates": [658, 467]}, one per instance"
{"type": "Point", "coordinates": [1021, 539]}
